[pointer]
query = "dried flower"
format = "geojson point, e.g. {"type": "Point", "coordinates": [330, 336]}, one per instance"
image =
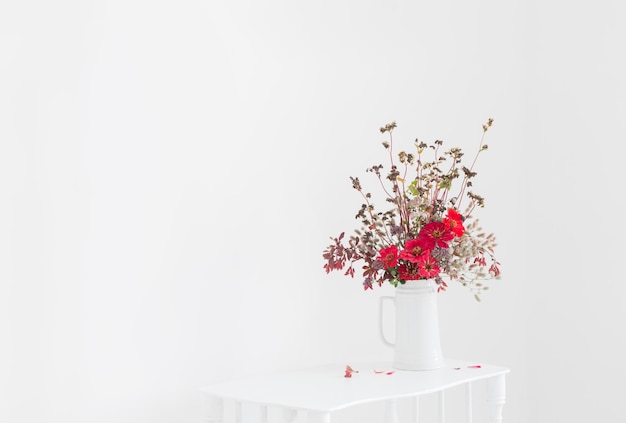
{"type": "Point", "coordinates": [424, 234]}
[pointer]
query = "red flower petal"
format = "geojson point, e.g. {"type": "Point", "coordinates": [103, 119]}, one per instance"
{"type": "Point", "coordinates": [349, 371]}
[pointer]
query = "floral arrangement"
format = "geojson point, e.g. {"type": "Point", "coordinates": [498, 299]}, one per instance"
{"type": "Point", "coordinates": [425, 234]}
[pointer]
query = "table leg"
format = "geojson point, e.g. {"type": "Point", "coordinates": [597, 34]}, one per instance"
{"type": "Point", "coordinates": [318, 417]}
{"type": "Point", "coordinates": [496, 396]}
{"type": "Point", "coordinates": [391, 411]}
{"type": "Point", "coordinates": [260, 413]}
{"type": "Point", "coordinates": [289, 415]}
{"type": "Point", "coordinates": [238, 411]}
{"type": "Point", "coordinates": [213, 410]}
{"type": "Point", "coordinates": [468, 402]}
{"type": "Point", "coordinates": [442, 407]}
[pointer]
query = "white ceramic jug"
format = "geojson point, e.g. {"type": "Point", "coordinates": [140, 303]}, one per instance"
{"type": "Point", "coordinates": [417, 345]}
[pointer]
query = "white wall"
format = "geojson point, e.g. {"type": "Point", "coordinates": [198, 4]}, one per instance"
{"type": "Point", "coordinates": [171, 171]}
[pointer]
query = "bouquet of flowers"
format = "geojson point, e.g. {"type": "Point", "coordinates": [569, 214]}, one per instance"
{"type": "Point", "coordinates": [426, 234]}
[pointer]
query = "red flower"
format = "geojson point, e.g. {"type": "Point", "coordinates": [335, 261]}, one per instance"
{"type": "Point", "coordinates": [436, 234]}
{"type": "Point", "coordinates": [428, 267]}
{"type": "Point", "coordinates": [454, 222]}
{"type": "Point", "coordinates": [389, 256]}
{"type": "Point", "coordinates": [414, 249]}
{"type": "Point", "coordinates": [409, 271]}
{"type": "Point", "coordinates": [453, 214]}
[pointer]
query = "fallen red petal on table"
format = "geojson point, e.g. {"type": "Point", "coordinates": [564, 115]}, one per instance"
{"type": "Point", "coordinates": [474, 367]}
{"type": "Point", "coordinates": [349, 371]}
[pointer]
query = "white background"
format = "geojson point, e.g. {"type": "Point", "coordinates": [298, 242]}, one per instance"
{"type": "Point", "coordinates": [170, 173]}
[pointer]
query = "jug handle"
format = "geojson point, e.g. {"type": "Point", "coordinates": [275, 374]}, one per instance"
{"type": "Point", "coordinates": [380, 320]}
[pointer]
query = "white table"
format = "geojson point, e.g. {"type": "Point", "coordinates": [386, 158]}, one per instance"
{"type": "Point", "coordinates": [313, 394]}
